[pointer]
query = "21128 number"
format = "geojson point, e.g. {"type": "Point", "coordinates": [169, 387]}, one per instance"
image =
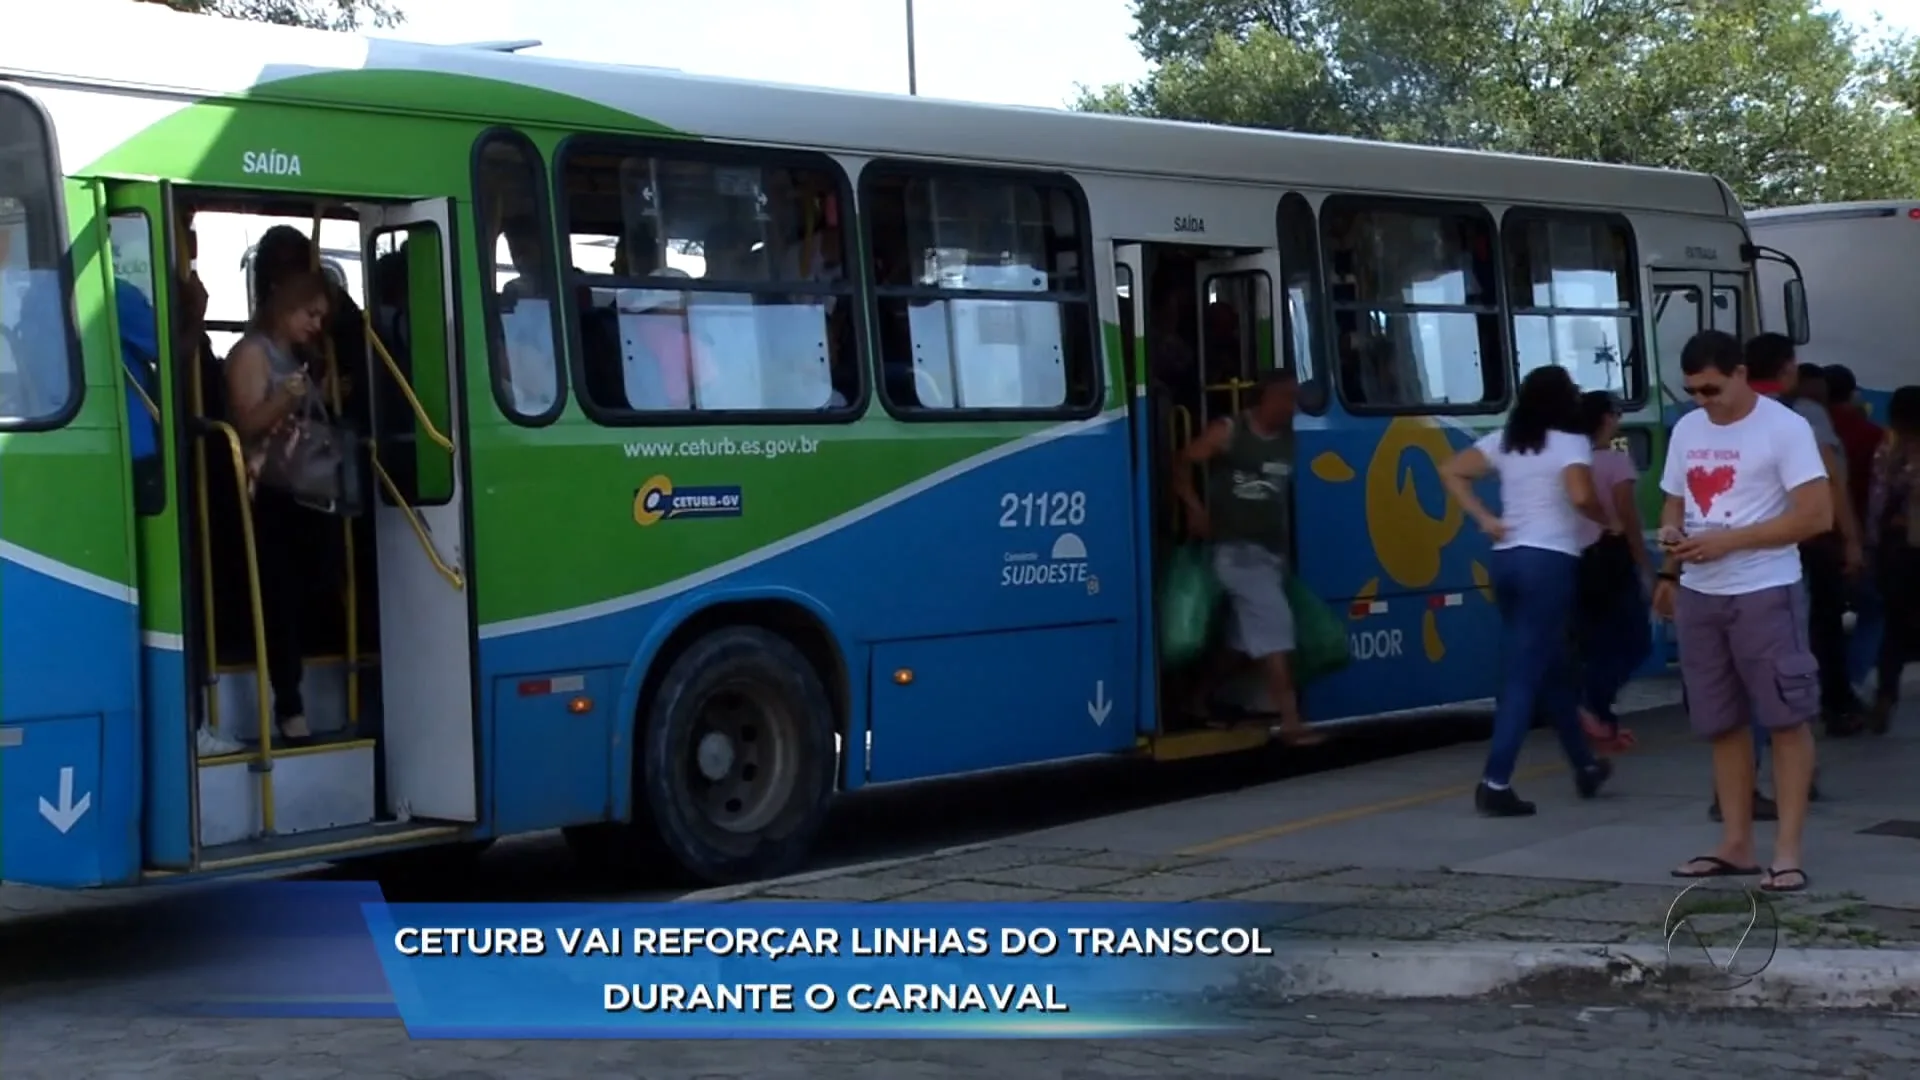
{"type": "Point", "coordinates": [1043, 508]}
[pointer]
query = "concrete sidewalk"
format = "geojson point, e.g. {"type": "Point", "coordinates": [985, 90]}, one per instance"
{"type": "Point", "coordinates": [1387, 884]}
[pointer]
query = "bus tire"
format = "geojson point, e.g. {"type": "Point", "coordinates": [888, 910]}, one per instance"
{"type": "Point", "coordinates": [738, 762]}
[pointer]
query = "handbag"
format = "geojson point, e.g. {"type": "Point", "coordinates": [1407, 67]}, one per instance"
{"type": "Point", "coordinates": [1189, 596]}
{"type": "Point", "coordinates": [311, 458]}
{"type": "Point", "coordinates": [1320, 638]}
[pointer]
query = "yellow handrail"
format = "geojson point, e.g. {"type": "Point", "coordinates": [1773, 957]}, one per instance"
{"type": "Point", "coordinates": [262, 684]}
{"type": "Point", "coordinates": [393, 368]}
{"type": "Point", "coordinates": [352, 598]}
{"type": "Point", "coordinates": [452, 575]}
{"type": "Point", "coordinates": [152, 409]}
{"type": "Point", "coordinates": [1232, 387]}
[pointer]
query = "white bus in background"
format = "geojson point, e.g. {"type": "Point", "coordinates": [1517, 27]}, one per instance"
{"type": "Point", "coordinates": [1861, 263]}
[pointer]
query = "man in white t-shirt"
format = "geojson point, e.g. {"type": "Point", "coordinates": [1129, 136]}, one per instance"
{"type": "Point", "coordinates": [1745, 485]}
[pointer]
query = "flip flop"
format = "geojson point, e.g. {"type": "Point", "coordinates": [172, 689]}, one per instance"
{"type": "Point", "coordinates": [1771, 882]}
{"type": "Point", "coordinates": [1717, 867]}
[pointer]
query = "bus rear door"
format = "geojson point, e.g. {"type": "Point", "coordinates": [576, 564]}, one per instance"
{"type": "Point", "coordinates": [69, 629]}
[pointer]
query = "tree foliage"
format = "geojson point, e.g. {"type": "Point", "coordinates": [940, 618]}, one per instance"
{"type": "Point", "coordinates": [1787, 103]}
{"type": "Point", "coordinates": [318, 14]}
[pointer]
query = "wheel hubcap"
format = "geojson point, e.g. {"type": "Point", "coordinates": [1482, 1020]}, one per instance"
{"type": "Point", "coordinates": [744, 760]}
{"type": "Point", "coordinates": [715, 756]}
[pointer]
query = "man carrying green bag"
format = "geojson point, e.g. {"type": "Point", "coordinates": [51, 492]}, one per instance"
{"type": "Point", "coordinates": [1249, 459]}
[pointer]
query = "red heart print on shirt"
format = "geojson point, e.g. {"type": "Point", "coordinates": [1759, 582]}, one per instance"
{"type": "Point", "coordinates": [1707, 484]}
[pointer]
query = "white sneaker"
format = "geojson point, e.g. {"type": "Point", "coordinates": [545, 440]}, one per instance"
{"type": "Point", "coordinates": [211, 744]}
{"type": "Point", "coordinates": [1866, 689]}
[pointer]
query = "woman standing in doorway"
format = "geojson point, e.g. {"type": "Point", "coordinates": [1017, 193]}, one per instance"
{"type": "Point", "coordinates": [267, 389]}
{"type": "Point", "coordinates": [1546, 485]}
{"type": "Point", "coordinates": [1893, 528]}
{"type": "Point", "coordinates": [1613, 625]}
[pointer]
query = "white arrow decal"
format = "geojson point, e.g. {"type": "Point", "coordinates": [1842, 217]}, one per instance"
{"type": "Point", "coordinates": [1099, 707]}
{"type": "Point", "coordinates": [68, 814]}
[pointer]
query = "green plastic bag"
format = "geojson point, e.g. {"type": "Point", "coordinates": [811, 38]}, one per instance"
{"type": "Point", "coordinates": [1320, 639]}
{"type": "Point", "coordinates": [1188, 596]}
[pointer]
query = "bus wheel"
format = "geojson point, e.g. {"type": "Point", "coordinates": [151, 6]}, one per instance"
{"type": "Point", "coordinates": [739, 757]}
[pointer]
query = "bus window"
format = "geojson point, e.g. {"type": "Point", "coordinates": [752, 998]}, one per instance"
{"type": "Point", "coordinates": [406, 303]}
{"type": "Point", "coordinates": [710, 280]}
{"type": "Point", "coordinates": [130, 237]}
{"type": "Point", "coordinates": [1236, 335]}
{"type": "Point", "coordinates": [1726, 311]}
{"type": "Point", "coordinates": [1570, 282]}
{"type": "Point", "coordinates": [1300, 265]}
{"type": "Point", "coordinates": [982, 292]}
{"type": "Point", "coordinates": [40, 382]}
{"type": "Point", "coordinates": [1676, 318]}
{"type": "Point", "coordinates": [1415, 310]}
{"type": "Point", "coordinates": [523, 336]}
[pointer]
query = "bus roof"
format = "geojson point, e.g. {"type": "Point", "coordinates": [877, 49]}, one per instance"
{"type": "Point", "coordinates": [151, 49]}
{"type": "Point", "coordinates": [1881, 208]}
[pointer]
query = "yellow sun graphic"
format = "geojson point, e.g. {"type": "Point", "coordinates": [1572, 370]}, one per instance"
{"type": "Point", "coordinates": [1406, 539]}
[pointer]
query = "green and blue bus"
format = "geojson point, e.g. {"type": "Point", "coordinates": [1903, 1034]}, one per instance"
{"type": "Point", "coordinates": [731, 446]}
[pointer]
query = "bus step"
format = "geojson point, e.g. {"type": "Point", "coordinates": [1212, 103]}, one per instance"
{"type": "Point", "coordinates": [323, 688]}
{"type": "Point", "coordinates": [315, 788]}
{"type": "Point", "coordinates": [1207, 742]}
{"type": "Point", "coordinates": [326, 846]}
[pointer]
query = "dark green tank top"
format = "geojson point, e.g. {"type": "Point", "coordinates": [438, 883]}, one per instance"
{"type": "Point", "coordinates": [1250, 489]}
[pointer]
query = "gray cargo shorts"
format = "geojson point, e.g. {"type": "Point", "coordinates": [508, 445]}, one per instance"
{"type": "Point", "coordinates": [1260, 623]}
{"type": "Point", "coordinates": [1746, 656]}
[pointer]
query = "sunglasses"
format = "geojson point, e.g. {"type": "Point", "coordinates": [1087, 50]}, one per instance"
{"type": "Point", "coordinates": [1708, 390]}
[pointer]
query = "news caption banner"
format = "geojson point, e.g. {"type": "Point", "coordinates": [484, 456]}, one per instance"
{"type": "Point", "coordinates": [791, 970]}
{"type": "Point", "coordinates": [773, 970]}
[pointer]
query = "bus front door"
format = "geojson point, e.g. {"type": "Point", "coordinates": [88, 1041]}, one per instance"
{"type": "Point", "coordinates": [1237, 346]}
{"type": "Point", "coordinates": [1150, 424]}
{"type": "Point", "coordinates": [426, 624]}
{"type": "Point", "coordinates": [69, 629]}
{"type": "Point", "coordinates": [146, 260]}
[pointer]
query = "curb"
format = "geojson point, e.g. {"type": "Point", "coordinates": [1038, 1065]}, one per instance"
{"type": "Point", "coordinates": [1602, 974]}
{"type": "Point", "coordinates": [752, 889]}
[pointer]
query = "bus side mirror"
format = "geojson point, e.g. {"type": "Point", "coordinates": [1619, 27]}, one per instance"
{"type": "Point", "coordinates": [1794, 297]}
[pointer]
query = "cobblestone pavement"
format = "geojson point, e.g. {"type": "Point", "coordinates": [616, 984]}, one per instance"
{"type": "Point", "coordinates": [1347, 902]}
{"type": "Point", "coordinates": [1303, 1039]}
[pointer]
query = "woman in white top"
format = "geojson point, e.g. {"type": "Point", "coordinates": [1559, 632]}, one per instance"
{"type": "Point", "coordinates": [1546, 487]}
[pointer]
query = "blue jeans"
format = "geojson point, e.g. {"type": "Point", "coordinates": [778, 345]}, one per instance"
{"type": "Point", "coordinates": [1534, 589]}
{"type": "Point", "coordinates": [1613, 645]}
{"type": "Point", "coordinates": [1869, 626]}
